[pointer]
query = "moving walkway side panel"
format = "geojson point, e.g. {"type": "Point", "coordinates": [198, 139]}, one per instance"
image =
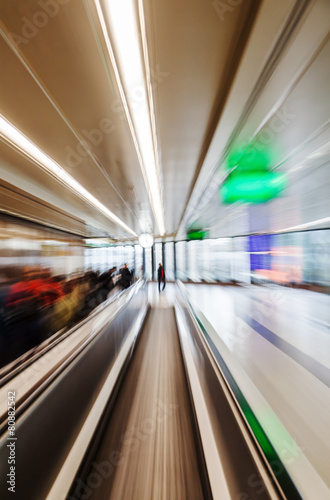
{"type": "Point", "coordinates": [243, 465]}
{"type": "Point", "coordinates": [48, 429]}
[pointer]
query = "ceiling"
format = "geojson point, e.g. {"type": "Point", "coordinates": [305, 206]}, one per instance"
{"type": "Point", "coordinates": [224, 75]}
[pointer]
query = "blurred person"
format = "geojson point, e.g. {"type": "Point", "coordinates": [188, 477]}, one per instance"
{"type": "Point", "coordinates": [24, 295]}
{"type": "Point", "coordinates": [91, 297]}
{"type": "Point", "coordinates": [84, 305]}
{"type": "Point", "coordinates": [106, 283]}
{"type": "Point", "coordinates": [161, 277]}
{"type": "Point", "coordinates": [48, 291]}
{"type": "Point", "coordinates": [96, 291]}
{"type": "Point", "coordinates": [125, 277]}
{"type": "Point", "coordinates": [25, 315]}
{"type": "Point", "coordinates": [111, 279]}
{"type": "Point", "coordinates": [65, 310]}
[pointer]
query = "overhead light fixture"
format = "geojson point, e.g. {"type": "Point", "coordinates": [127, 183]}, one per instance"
{"type": "Point", "coordinates": [306, 225]}
{"type": "Point", "coordinates": [124, 31]}
{"type": "Point", "coordinates": [317, 154]}
{"type": "Point", "coordinates": [98, 242]}
{"type": "Point", "coordinates": [146, 240]}
{"type": "Point", "coordinates": [296, 168]}
{"type": "Point", "coordinates": [13, 136]}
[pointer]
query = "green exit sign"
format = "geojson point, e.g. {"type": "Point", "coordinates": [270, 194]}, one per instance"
{"type": "Point", "coordinates": [252, 187]}
{"type": "Point", "coordinates": [196, 234]}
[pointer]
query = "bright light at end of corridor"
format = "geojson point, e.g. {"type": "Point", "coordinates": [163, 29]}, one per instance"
{"type": "Point", "coordinates": [124, 32]}
{"type": "Point", "coordinates": [146, 240]}
{"type": "Point", "coordinates": [14, 137]}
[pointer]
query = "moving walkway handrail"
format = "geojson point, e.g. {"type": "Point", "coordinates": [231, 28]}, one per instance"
{"type": "Point", "coordinates": [46, 379]}
{"type": "Point", "coordinates": [13, 368]}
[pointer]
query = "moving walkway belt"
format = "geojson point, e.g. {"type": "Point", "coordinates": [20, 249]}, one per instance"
{"type": "Point", "coordinates": [148, 445]}
{"type": "Point", "coordinates": [147, 448]}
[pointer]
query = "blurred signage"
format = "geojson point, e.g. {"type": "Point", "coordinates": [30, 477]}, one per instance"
{"type": "Point", "coordinates": [197, 234]}
{"type": "Point", "coordinates": [250, 178]}
{"type": "Point", "coordinates": [253, 187]}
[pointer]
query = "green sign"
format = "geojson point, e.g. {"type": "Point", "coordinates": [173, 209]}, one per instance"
{"type": "Point", "coordinates": [252, 187]}
{"type": "Point", "coordinates": [249, 159]}
{"type": "Point", "coordinates": [196, 234]}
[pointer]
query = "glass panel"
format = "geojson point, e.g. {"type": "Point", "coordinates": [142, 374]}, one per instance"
{"type": "Point", "coordinates": [104, 260]}
{"type": "Point", "coordinates": [169, 261]}
{"type": "Point", "coordinates": [111, 257]}
{"type": "Point", "coordinates": [193, 260]}
{"type": "Point", "coordinates": [129, 254]}
{"type": "Point", "coordinates": [205, 260]}
{"type": "Point", "coordinates": [158, 257]}
{"type": "Point", "coordinates": [316, 247]}
{"type": "Point", "coordinates": [124, 256]}
{"type": "Point", "coordinates": [138, 261]}
{"type": "Point", "coordinates": [220, 254]}
{"type": "Point", "coordinates": [119, 256]}
{"type": "Point", "coordinates": [241, 260]}
{"type": "Point", "coordinates": [148, 270]}
{"type": "Point", "coordinates": [277, 258]}
{"type": "Point", "coordinates": [181, 269]}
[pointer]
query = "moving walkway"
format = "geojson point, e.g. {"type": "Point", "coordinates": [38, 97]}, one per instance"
{"type": "Point", "coordinates": [146, 409]}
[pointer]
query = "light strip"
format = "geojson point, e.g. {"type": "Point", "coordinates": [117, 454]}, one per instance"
{"type": "Point", "coordinates": [304, 226]}
{"type": "Point", "coordinates": [151, 112]}
{"type": "Point", "coordinates": [132, 74]}
{"type": "Point", "coordinates": [13, 136]}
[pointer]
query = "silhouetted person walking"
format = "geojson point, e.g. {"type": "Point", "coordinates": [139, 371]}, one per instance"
{"type": "Point", "coordinates": [161, 277]}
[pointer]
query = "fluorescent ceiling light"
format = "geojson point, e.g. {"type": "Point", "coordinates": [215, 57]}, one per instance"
{"type": "Point", "coordinates": [296, 168]}
{"type": "Point", "coordinates": [13, 136]}
{"type": "Point", "coordinates": [317, 154]}
{"type": "Point", "coordinates": [123, 32]}
{"type": "Point", "coordinates": [55, 243]}
{"type": "Point", "coordinates": [305, 226]}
